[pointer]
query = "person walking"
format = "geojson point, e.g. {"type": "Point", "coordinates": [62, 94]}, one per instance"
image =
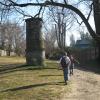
{"type": "Point", "coordinates": [73, 60]}
{"type": "Point", "coordinates": [65, 64]}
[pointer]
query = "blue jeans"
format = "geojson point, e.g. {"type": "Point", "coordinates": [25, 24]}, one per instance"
{"type": "Point", "coordinates": [71, 69]}
{"type": "Point", "coordinates": [66, 73]}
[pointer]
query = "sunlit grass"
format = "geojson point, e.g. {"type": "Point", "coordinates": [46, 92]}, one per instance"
{"type": "Point", "coordinates": [20, 82]}
{"type": "Point", "coordinates": [11, 60]}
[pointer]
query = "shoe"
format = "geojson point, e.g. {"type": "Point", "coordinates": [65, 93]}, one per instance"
{"type": "Point", "coordinates": [66, 82]}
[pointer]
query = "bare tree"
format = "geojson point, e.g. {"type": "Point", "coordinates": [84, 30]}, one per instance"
{"type": "Point", "coordinates": [60, 28]}
{"type": "Point", "coordinates": [11, 37]}
{"type": "Point", "coordinates": [68, 5]}
{"type": "Point", "coordinates": [96, 6]}
{"type": "Point", "coordinates": [63, 20]}
{"type": "Point", "coordinates": [2, 36]}
{"type": "Point", "coordinates": [60, 4]}
{"type": "Point", "coordinates": [50, 39]}
{"type": "Point", "coordinates": [85, 35]}
{"type": "Point", "coordinates": [19, 40]}
{"type": "Point", "coordinates": [63, 4]}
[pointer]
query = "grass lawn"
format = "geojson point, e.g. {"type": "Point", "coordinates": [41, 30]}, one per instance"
{"type": "Point", "coordinates": [20, 82]}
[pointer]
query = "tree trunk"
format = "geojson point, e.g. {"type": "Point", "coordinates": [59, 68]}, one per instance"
{"type": "Point", "coordinates": [34, 42]}
{"type": "Point", "coordinates": [96, 5]}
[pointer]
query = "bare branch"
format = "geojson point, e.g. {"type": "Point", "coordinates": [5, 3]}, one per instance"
{"type": "Point", "coordinates": [43, 11]}
{"type": "Point", "coordinates": [83, 1]}
{"type": "Point", "coordinates": [30, 4]}
{"type": "Point", "coordinates": [52, 1]}
{"type": "Point", "coordinates": [53, 16]}
{"type": "Point", "coordinates": [65, 2]}
{"type": "Point", "coordinates": [22, 12]}
{"type": "Point", "coordinates": [37, 1]}
{"type": "Point", "coordinates": [77, 19]}
{"type": "Point", "coordinates": [49, 3]}
{"type": "Point", "coordinates": [38, 12]}
{"type": "Point", "coordinates": [3, 4]}
{"type": "Point", "coordinates": [90, 11]}
{"type": "Point", "coordinates": [88, 14]}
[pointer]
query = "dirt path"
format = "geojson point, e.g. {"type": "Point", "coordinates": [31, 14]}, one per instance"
{"type": "Point", "coordinates": [86, 86]}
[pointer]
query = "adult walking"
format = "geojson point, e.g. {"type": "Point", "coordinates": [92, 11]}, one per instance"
{"type": "Point", "coordinates": [65, 64]}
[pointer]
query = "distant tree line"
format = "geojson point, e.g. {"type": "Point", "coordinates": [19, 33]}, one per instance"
{"type": "Point", "coordinates": [12, 38]}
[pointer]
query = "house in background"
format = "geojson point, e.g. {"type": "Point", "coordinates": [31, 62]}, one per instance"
{"type": "Point", "coordinates": [86, 50]}
{"type": "Point", "coordinates": [3, 52]}
{"type": "Point", "coordinates": [83, 44]}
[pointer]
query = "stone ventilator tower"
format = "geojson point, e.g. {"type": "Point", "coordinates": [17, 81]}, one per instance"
{"type": "Point", "coordinates": [34, 43]}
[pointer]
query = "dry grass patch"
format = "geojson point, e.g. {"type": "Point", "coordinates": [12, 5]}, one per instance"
{"type": "Point", "coordinates": [30, 82]}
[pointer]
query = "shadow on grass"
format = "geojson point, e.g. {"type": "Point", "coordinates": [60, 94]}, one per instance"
{"type": "Point", "coordinates": [8, 68]}
{"type": "Point", "coordinates": [33, 86]}
{"type": "Point", "coordinates": [92, 66]}
{"type": "Point", "coordinates": [49, 75]}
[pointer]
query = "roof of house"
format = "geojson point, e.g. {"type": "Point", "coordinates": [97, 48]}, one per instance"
{"type": "Point", "coordinates": [84, 43]}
